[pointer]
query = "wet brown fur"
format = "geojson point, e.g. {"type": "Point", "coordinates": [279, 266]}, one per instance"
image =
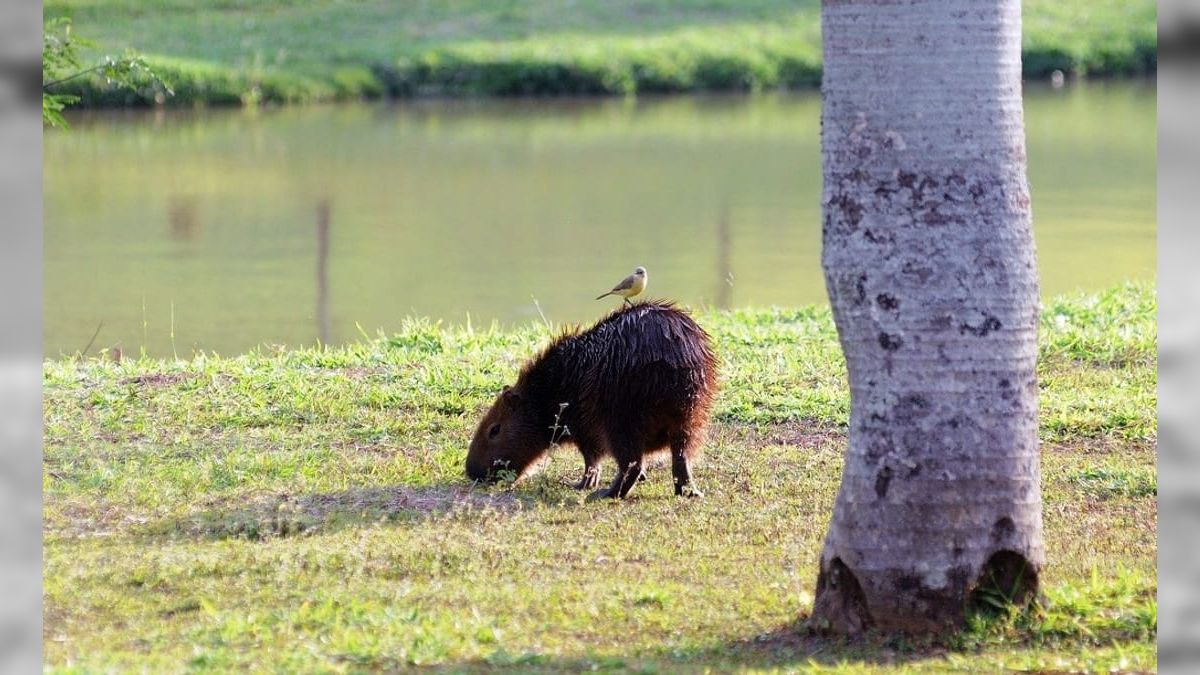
{"type": "Point", "coordinates": [641, 380]}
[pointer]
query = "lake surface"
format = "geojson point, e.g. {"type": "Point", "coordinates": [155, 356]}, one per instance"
{"type": "Point", "coordinates": [233, 228]}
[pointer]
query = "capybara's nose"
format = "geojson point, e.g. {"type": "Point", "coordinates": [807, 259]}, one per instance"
{"type": "Point", "coordinates": [476, 470]}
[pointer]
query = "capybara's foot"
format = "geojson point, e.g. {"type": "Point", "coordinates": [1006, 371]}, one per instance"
{"type": "Point", "coordinates": [589, 481]}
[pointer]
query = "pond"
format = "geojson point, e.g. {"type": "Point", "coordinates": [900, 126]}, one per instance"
{"type": "Point", "coordinates": [223, 229]}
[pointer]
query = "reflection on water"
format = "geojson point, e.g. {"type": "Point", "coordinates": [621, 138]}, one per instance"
{"type": "Point", "coordinates": [182, 217]}
{"type": "Point", "coordinates": [473, 210]}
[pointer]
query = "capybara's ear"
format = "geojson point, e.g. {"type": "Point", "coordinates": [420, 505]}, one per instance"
{"type": "Point", "coordinates": [511, 398]}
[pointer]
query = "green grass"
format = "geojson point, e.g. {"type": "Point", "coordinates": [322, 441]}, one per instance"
{"type": "Point", "coordinates": [306, 510]}
{"type": "Point", "coordinates": [280, 50]}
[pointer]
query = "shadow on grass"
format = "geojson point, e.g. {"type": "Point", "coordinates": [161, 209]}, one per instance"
{"type": "Point", "coordinates": [789, 647]}
{"type": "Point", "coordinates": [793, 647]}
{"type": "Point", "coordinates": [283, 515]}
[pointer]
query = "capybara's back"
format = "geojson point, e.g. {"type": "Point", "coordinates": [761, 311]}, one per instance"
{"type": "Point", "coordinates": [641, 380]}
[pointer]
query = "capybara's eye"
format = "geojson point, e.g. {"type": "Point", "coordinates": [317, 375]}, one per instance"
{"type": "Point", "coordinates": [494, 431]}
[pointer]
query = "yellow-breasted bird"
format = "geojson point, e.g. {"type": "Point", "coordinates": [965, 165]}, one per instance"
{"type": "Point", "coordinates": [629, 286]}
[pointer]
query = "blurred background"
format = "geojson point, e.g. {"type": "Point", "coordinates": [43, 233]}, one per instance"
{"type": "Point", "coordinates": [291, 172]}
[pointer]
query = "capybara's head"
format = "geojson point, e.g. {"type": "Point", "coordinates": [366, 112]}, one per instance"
{"type": "Point", "coordinates": [508, 438]}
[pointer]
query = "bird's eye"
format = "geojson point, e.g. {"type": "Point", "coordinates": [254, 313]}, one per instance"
{"type": "Point", "coordinates": [494, 431]}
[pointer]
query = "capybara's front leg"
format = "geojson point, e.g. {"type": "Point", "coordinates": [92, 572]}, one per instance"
{"type": "Point", "coordinates": [627, 477]}
{"type": "Point", "coordinates": [591, 465]}
{"type": "Point", "coordinates": [591, 476]}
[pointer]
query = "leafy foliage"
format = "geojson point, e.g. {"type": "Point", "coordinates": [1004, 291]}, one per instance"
{"type": "Point", "coordinates": [60, 56]}
{"type": "Point", "coordinates": [61, 63]}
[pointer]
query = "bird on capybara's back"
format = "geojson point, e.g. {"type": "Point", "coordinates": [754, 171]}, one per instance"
{"type": "Point", "coordinates": [639, 381]}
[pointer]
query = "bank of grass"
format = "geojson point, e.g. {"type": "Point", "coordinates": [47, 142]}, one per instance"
{"type": "Point", "coordinates": [305, 510]}
{"type": "Point", "coordinates": [286, 51]}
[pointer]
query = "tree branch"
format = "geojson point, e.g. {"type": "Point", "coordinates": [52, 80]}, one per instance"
{"type": "Point", "coordinates": [102, 66]}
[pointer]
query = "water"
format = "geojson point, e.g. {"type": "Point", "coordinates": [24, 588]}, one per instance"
{"type": "Point", "coordinates": [225, 229]}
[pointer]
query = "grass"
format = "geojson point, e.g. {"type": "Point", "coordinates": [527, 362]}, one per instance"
{"type": "Point", "coordinates": [223, 51]}
{"type": "Point", "coordinates": [306, 510]}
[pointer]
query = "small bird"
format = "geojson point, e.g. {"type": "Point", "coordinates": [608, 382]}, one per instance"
{"type": "Point", "coordinates": [629, 286]}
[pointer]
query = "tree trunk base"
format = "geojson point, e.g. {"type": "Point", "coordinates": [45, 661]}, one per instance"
{"type": "Point", "coordinates": [839, 606]}
{"type": "Point", "coordinates": [896, 600]}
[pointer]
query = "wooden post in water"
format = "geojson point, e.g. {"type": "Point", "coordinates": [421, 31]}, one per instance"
{"type": "Point", "coordinates": [323, 270]}
{"type": "Point", "coordinates": [724, 263]}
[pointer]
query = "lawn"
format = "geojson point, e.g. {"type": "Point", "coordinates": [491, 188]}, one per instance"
{"type": "Point", "coordinates": [306, 510]}
{"type": "Point", "coordinates": [225, 51]}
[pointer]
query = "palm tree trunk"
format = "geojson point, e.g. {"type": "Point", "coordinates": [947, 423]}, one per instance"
{"type": "Point", "coordinates": [929, 263]}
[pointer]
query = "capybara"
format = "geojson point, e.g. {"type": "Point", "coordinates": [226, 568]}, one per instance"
{"type": "Point", "coordinates": [639, 381]}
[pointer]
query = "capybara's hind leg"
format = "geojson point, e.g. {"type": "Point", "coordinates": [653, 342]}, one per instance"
{"type": "Point", "coordinates": [681, 470]}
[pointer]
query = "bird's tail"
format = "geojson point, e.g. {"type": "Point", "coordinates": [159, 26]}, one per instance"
{"type": "Point", "coordinates": [599, 297]}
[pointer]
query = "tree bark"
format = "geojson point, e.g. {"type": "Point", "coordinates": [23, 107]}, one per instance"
{"type": "Point", "coordinates": [930, 268]}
